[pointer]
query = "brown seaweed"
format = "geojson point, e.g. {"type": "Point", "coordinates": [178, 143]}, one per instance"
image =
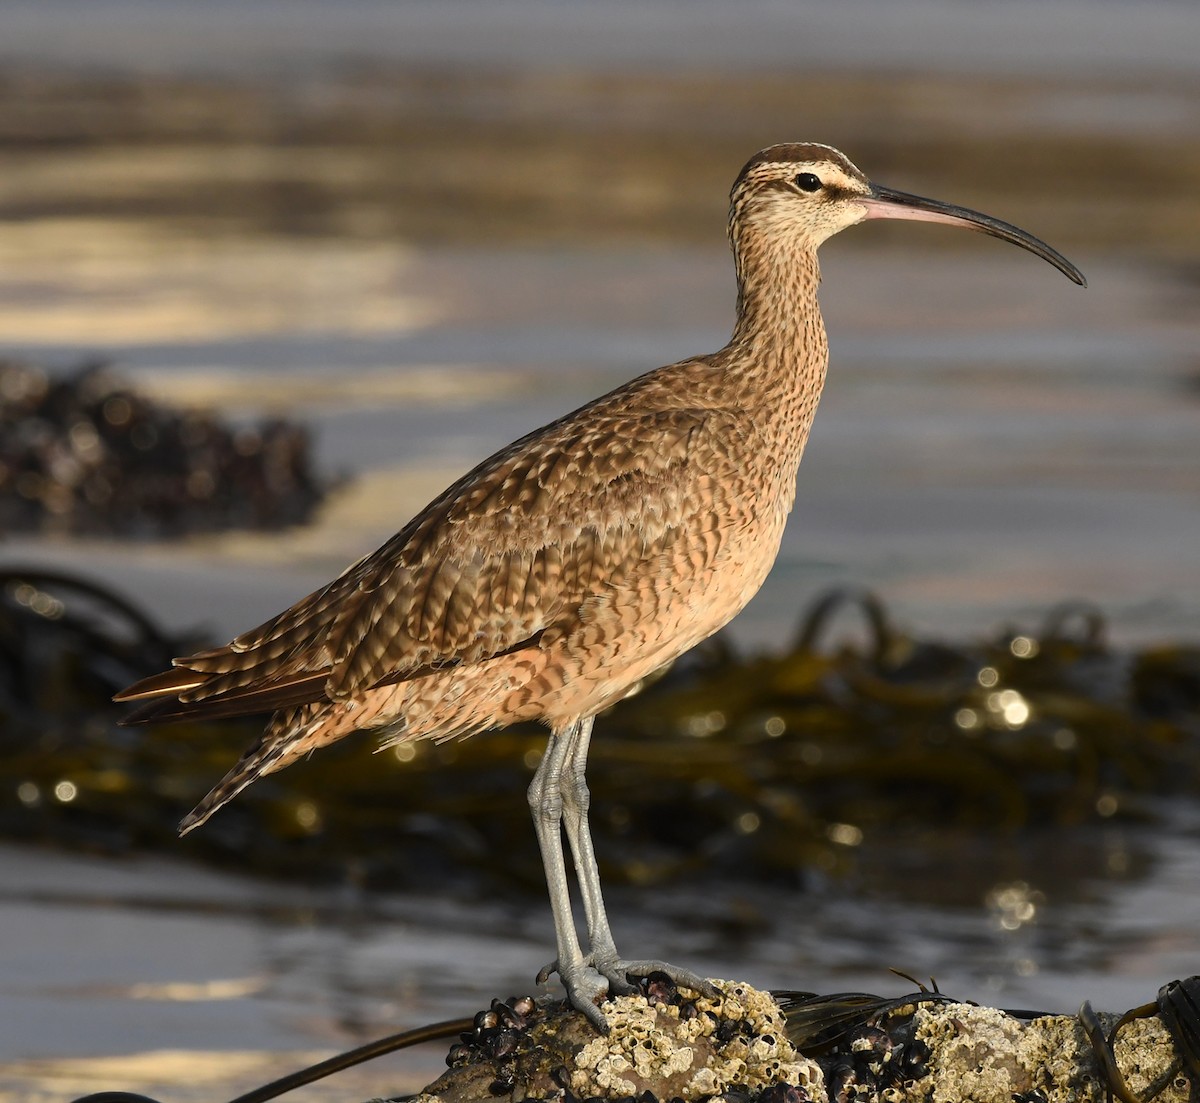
{"type": "Point", "coordinates": [730, 765]}
{"type": "Point", "coordinates": [85, 453]}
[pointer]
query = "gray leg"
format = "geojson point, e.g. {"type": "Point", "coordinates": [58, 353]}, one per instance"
{"type": "Point", "coordinates": [575, 802]}
{"type": "Point", "coordinates": [576, 799]}
{"type": "Point", "coordinates": [583, 984]}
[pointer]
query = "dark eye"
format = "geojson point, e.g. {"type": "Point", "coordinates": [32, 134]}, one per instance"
{"type": "Point", "coordinates": [808, 181]}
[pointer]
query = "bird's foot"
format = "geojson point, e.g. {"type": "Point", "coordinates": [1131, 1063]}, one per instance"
{"type": "Point", "coordinates": [585, 986]}
{"type": "Point", "coordinates": [596, 977]}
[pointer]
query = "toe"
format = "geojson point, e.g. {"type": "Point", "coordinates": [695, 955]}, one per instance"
{"type": "Point", "coordinates": [615, 972]}
{"type": "Point", "coordinates": [590, 1011]}
{"type": "Point", "coordinates": [685, 978]}
{"type": "Point", "coordinates": [585, 989]}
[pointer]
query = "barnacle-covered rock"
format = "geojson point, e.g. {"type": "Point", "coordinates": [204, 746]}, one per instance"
{"type": "Point", "coordinates": [990, 1056]}
{"type": "Point", "coordinates": [755, 1047]}
{"type": "Point", "coordinates": [656, 1049]}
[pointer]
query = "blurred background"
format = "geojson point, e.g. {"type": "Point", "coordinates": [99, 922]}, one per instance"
{"type": "Point", "coordinates": [344, 251]}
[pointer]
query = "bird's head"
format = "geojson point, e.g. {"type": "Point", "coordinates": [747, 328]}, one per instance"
{"type": "Point", "coordinates": [799, 194]}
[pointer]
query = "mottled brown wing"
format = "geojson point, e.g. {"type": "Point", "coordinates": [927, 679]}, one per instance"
{"type": "Point", "coordinates": [512, 555]}
{"type": "Point", "coordinates": [505, 556]}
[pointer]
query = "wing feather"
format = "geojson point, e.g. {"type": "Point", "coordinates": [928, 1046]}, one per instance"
{"type": "Point", "coordinates": [517, 545]}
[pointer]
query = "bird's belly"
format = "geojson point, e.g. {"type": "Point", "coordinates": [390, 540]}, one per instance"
{"type": "Point", "coordinates": [629, 639]}
{"type": "Point", "coordinates": [629, 632]}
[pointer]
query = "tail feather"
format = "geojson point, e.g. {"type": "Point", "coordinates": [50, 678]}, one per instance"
{"type": "Point", "coordinates": [168, 683]}
{"type": "Point", "coordinates": [160, 697]}
{"type": "Point", "coordinates": [259, 760]}
{"type": "Point", "coordinates": [295, 699]}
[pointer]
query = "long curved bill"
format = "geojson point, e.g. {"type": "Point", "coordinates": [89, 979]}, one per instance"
{"type": "Point", "coordinates": [888, 203]}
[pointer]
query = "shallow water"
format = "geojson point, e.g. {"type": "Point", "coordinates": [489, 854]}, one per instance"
{"type": "Point", "coordinates": [927, 35]}
{"type": "Point", "coordinates": [992, 441]}
{"type": "Point", "coordinates": [105, 957]}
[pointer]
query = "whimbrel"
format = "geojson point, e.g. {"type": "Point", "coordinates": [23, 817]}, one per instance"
{"type": "Point", "coordinates": [548, 582]}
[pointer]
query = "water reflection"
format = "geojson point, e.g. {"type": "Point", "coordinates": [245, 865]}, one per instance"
{"type": "Point", "coordinates": [280, 967]}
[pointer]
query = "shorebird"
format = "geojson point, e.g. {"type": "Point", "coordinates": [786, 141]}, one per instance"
{"type": "Point", "coordinates": [549, 581]}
